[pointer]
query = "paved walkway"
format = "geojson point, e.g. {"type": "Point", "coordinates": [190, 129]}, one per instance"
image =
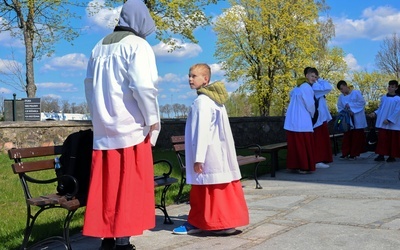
{"type": "Point", "coordinates": [351, 205]}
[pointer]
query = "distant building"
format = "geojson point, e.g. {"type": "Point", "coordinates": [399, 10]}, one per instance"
{"type": "Point", "coordinates": [51, 116]}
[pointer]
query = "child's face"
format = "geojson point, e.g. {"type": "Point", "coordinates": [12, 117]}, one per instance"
{"type": "Point", "coordinates": [311, 78]}
{"type": "Point", "coordinates": [344, 89]}
{"type": "Point", "coordinates": [392, 89]}
{"type": "Point", "coordinates": [197, 78]}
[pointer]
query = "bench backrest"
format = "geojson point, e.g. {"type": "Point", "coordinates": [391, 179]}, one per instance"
{"type": "Point", "coordinates": [178, 143]}
{"type": "Point", "coordinates": [19, 154]}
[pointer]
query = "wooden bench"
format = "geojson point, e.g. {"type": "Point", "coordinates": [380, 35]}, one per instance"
{"type": "Point", "coordinates": [334, 138]}
{"type": "Point", "coordinates": [273, 150]}
{"type": "Point", "coordinates": [37, 159]}
{"type": "Point", "coordinates": [178, 143]}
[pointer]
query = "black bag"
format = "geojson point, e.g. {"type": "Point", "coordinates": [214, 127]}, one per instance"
{"type": "Point", "coordinates": [73, 171]}
{"type": "Point", "coordinates": [343, 122]}
{"type": "Point", "coordinates": [314, 119]}
{"type": "Point", "coordinates": [372, 140]}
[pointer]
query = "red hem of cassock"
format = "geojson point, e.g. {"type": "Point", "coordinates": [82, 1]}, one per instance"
{"type": "Point", "coordinates": [322, 141]}
{"type": "Point", "coordinates": [354, 142]}
{"type": "Point", "coordinates": [218, 206]}
{"type": "Point", "coordinates": [300, 151]}
{"type": "Point", "coordinates": [121, 195]}
{"type": "Point", "coordinates": [388, 143]}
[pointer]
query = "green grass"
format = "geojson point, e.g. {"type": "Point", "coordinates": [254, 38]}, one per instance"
{"type": "Point", "coordinates": [13, 208]}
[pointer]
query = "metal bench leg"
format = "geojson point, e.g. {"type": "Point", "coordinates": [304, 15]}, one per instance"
{"type": "Point", "coordinates": [335, 145]}
{"type": "Point", "coordinates": [30, 221]}
{"type": "Point", "coordinates": [274, 162]}
{"type": "Point", "coordinates": [258, 186]}
{"type": "Point", "coordinates": [67, 222]}
{"type": "Point", "coordinates": [182, 184]}
{"type": "Point", "coordinates": [162, 207]}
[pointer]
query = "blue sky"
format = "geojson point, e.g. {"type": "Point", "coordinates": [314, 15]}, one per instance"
{"type": "Point", "coordinates": [360, 27]}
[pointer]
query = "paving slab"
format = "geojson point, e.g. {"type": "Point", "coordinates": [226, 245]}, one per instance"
{"type": "Point", "coordinates": [351, 205]}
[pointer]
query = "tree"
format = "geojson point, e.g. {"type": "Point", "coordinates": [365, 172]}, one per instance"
{"type": "Point", "coordinates": [240, 105]}
{"type": "Point", "coordinates": [388, 57]}
{"type": "Point", "coordinates": [49, 104]}
{"type": "Point", "coordinates": [372, 86]}
{"type": "Point", "coordinates": [12, 73]}
{"type": "Point", "coordinates": [40, 24]}
{"type": "Point", "coordinates": [267, 44]}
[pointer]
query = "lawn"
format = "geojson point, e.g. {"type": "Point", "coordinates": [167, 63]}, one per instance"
{"type": "Point", "coordinates": [13, 208]}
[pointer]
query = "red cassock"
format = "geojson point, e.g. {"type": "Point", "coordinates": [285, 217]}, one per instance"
{"type": "Point", "coordinates": [354, 142]}
{"type": "Point", "coordinates": [322, 141]}
{"type": "Point", "coordinates": [300, 152]}
{"type": "Point", "coordinates": [121, 195]}
{"type": "Point", "coordinates": [218, 206]}
{"type": "Point", "coordinates": [388, 143]}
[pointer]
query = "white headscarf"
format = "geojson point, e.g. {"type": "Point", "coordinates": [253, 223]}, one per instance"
{"type": "Point", "coordinates": [135, 15]}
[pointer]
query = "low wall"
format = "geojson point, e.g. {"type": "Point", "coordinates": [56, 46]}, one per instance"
{"type": "Point", "coordinates": [246, 130]}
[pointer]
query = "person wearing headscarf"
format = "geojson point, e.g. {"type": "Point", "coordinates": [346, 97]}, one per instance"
{"type": "Point", "coordinates": [122, 98]}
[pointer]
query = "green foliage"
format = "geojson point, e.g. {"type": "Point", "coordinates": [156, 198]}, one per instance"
{"type": "Point", "coordinates": [40, 24]}
{"type": "Point", "coordinates": [241, 105]}
{"type": "Point", "coordinates": [371, 84]}
{"type": "Point", "coordinates": [266, 44]}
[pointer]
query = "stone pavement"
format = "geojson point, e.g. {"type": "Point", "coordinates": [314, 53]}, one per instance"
{"type": "Point", "coordinates": [351, 205]}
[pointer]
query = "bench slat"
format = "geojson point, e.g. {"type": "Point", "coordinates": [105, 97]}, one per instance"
{"type": "Point", "coordinates": [244, 160]}
{"type": "Point", "coordinates": [18, 153]}
{"type": "Point", "coordinates": [25, 167]}
{"type": "Point", "coordinates": [162, 181]}
{"type": "Point", "coordinates": [178, 139]}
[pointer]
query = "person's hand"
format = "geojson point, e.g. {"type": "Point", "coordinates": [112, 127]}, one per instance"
{"type": "Point", "coordinates": [153, 127]}
{"type": "Point", "coordinates": [198, 167]}
{"type": "Point", "coordinates": [386, 122]}
{"type": "Point", "coordinates": [347, 106]}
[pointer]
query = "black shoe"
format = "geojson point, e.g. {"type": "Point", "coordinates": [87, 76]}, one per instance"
{"type": "Point", "coordinates": [343, 157]}
{"type": "Point", "coordinates": [126, 247]}
{"type": "Point", "coordinates": [107, 244]}
{"type": "Point", "coordinates": [351, 158]}
{"type": "Point", "coordinates": [380, 158]}
{"type": "Point", "coordinates": [391, 159]}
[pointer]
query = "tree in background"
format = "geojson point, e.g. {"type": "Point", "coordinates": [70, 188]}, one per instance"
{"type": "Point", "coordinates": [241, 104]}
{"type": "Point", "coordinates": [266, 44]}
{"type": "Point", "coordinates": [372, 86]}
{"type": "Point", "coordinates": [40, 24]}
{"type": "Point", "coordinates": [50, 104]}
{"type": "Point", "coordinates": [388, 57]}
{"type": "Point", "coordinates": [12, 73]}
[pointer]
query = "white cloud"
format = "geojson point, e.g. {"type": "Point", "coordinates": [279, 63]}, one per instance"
{"type": "Point", "coordinates": [70, 62]}
{"type": "Point", "coordinates": [374, 24]}
{"type": "Point", "coordinates": [52, 96]}
{"type": "Point", "coordinates": [104, 17]}
{"type": "Point", "coordinates": [10, 66]}
{"type": "Point", "coordinates": [186, 50]}
{"type": "Point", "coordinates": [352, 62]}
{"type": "Point", "coordinates": [6, 40]}
{"type": "Point", "coordinates": [60, 86]}
{"type": "Point", "coordinates": [216, 69]}
{"type": "Point", "coordinates": [4, 91]}
{"type": "Point", "coordinates": [170, 78]}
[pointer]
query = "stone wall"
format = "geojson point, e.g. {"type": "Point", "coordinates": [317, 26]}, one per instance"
{"type": "Point", "coordinates": [246, 130]}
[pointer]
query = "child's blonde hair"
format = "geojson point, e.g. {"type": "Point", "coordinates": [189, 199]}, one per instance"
{"type": "Point", "coordinates": [206, 70]}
